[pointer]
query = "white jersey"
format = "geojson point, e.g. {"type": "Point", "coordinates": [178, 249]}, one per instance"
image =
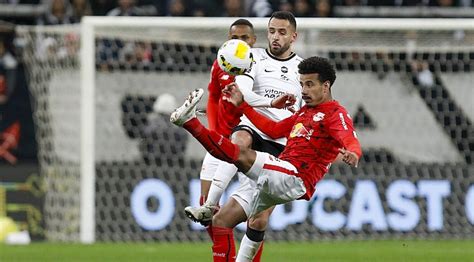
{"type": "Point", "coordinates": [269, 78]}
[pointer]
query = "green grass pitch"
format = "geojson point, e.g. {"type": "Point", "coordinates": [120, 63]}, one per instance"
{"type": "Point", "coordinates": [384, 250]}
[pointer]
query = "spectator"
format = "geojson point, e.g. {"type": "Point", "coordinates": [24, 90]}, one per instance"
{"type": "Point", "coordinates": [129, 8]}
{"type": "Point", "coordinates": [58, 12]}
{"type": "Point", "coordinates": [285, 5]}
{"type": "Point", "coordinates": [199, 11]}
{"type": "Point", "coordinates": [258, 8]}
{"type": "Point", "coordinates": [80, 8]}
{"type": "Point", "coordinates": [423, 74]}
{"type": "Point", "coordinates": [233, 8]}
{"type": "Point", "coordinates": [323, 8]}
{"type": "Point", "coordinates": [8, 73]}
{"type": "Point", "coordinates": [160, 6]}
{"type": "Point", "coordinates": [209, 7]}
{"type": "Point", "coordinates": [10, 132]}
{"type": "Point", "coordinates": [444, 3]}
{"type": "Point", "coordinates": [179, 8]}
{"type": "Point", "coordinates": [302, 8]}
{"type": "Point", "coordinates": [138, 54]}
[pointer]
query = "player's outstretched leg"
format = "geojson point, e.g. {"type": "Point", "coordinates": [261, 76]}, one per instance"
{"type": "Point", "coordinates": [202, 214]}
{"type": "Point", "coordinates": [188, 110]}
{"type": "Point", "coordinates": [216, 144]}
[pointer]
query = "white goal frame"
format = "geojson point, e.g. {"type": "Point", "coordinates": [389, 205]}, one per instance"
{"type": "Point", "coordinates": [87, 63]}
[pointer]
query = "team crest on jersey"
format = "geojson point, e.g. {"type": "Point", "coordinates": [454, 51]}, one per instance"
{"type": "Point", "coordinates": [318, 116]}
{"type": "Point", "coordinates": [300, 131]}
{"type": "Point", "coordinates": [225, 77]}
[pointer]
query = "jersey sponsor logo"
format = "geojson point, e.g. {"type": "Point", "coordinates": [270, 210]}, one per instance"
{"type": "Point", "coordinates": [284, 69]}
{"type": "Point", "coordinates": [215, 254]}
{"type": "Point", "coordinates": [225, 77]}
{"type": "Point", "coordinates": [343, 122]}
{"type": "Point", "coordinates": [272, 93]}
{"type": "Point", "coordinates": [318, 116]}
{"type": "Point", "coordinates": [300, 131]}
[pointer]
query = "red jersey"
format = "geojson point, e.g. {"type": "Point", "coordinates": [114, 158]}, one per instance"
{"type": "Point", "coordinates": [222, 115]}
{"type": "Point", "coordinates": [315, 135]}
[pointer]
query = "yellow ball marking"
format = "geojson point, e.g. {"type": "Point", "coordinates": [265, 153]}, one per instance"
{"type": "Point", "coordinates": [241, 50]}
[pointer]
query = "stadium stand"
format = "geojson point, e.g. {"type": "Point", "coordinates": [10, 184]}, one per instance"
{"type": "Point", "coordinates": [410, 131]}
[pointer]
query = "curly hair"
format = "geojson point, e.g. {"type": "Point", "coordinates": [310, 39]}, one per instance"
{"type": "Point", "coordinates": [318, 65]}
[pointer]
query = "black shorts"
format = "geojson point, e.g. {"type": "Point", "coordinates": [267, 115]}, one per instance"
{"type": "Point", "coordinates": [260, 144]}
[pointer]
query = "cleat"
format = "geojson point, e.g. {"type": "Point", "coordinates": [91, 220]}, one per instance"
{"type": "Point", "coordinates": [188, 110]}
{"type": "Point", "coordinates": [202, 214]}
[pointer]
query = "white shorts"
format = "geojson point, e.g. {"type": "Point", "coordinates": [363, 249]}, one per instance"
{"type": "Point", "coordinates": [269, 182]}
{"type": "Point", "coordinates": [209, 167]}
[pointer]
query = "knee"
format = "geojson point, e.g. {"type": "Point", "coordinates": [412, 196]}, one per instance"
{"type": "Point", "coordinates": [218, 220]}
{"type": "Point", "coordinates": [259, 223]}
{"type": "Point", "coordinates": [243, 139]}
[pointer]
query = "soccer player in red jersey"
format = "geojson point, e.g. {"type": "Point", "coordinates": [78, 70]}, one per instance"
{"type": "Point", "coordinates": [222, 116]}
{"type": "Point", "coordinates": [274, 75]}
{"type": "Point", "coordinates": [316, 134]}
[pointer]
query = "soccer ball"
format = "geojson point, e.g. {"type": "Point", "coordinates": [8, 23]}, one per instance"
{"type": "Point", "coordinates": [235, 57]}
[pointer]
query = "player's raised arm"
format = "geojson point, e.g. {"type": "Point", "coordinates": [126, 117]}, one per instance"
{"type": "Point", "coordinates": [245, 82]}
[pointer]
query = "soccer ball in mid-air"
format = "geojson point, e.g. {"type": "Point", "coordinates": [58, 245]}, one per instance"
{"type": "Point", "coordinates": [235, 57]}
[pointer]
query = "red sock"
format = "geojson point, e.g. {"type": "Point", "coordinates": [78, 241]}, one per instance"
{"type": "Point", "coordinates": [223, 249]}
{"type": "Point", "coordinates": [257, 256]}
{"type": "Point", "coordinates": [202, 199]}
{"type": "Point", "coordinates": [210, 232]}
{"type": "Point", "coordinates": [216, 144]}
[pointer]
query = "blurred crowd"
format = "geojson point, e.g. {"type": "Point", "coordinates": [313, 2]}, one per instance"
{"type": "Point", "coordinates": [16, 125]}
{"type": "Point", "coordinates": [51, 12]}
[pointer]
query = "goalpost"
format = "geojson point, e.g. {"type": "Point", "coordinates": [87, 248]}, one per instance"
{"type": "Point", "coordinates": [126, 62]}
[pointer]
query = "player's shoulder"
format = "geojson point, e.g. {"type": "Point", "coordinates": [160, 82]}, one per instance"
{"type": "Point", "coordinates": [215, 67]}
{"type": "Point", "coordinates": [332, 108]}
{"type": "Point", "coordinates": [259, 53]}
{"type": "Point", "coordinates": [298, 59]}
{"type": "Point", "coordinates": [336, 109]}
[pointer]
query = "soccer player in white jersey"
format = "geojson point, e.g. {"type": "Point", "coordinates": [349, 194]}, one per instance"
{"type": "Point", "coordinates": [274, 75]}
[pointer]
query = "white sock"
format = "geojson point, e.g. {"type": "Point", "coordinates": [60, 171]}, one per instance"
{"type": "Point", "coordinates": [247, 250]}
{"type": "Point", "coordinates": [224, 173]}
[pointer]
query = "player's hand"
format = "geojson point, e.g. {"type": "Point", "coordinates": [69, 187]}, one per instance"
{"type": "Point", "coordinates": [233, 94]}
{"type": "Point", "coordinates": [349, 157]}
{"type": "Point", "coordinates": [284, 101]}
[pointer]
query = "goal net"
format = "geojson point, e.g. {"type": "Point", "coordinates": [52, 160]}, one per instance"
{"type": "Point", "coordinates": [116, 171]}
